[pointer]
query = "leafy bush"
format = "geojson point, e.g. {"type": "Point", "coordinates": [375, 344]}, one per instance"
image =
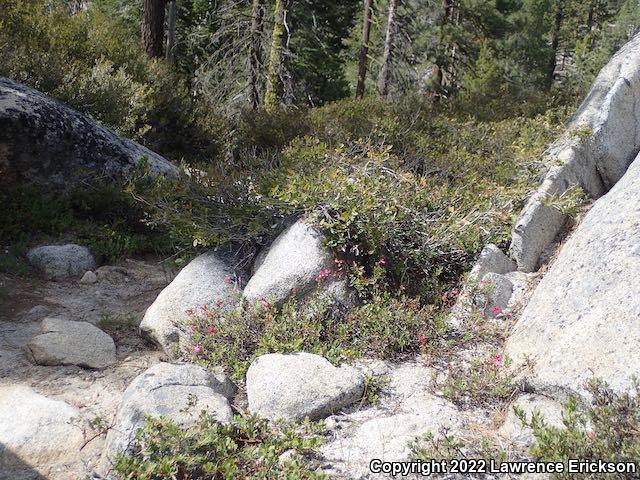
{"type": "Point", "coordinates": [249, 448]}
{"type": "Point", "coordinates": [103, 218]}
{"type": "Point", "coordinates": [608, 429]}
{"type": "Point", "coordinates": [384, 327]}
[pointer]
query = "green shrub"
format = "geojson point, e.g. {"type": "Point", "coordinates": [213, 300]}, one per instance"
{"type": "Point", "coordinates": [102, 217]}
{"type": "Point", "coordinates": [247, 449]}
{"type": "Point", "coordinates": [608, 429]}
{"type": "Point", "coordinates": [384, 327]}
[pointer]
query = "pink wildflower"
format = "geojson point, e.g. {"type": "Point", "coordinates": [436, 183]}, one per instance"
{"type": "Point", "coordinates": [193, 328]}
{"type": "Point", "coordinates": [265, 304]}
{"type": "Point", "coordinates": [445, 298]}
{"type": "Point", "coordinates": [422, 341]}
{"type": "Point", "coordinates": [382, 261]}
{"type": "Point", "coordinates": [496, 310]}
{"type": "Point", "coordinates": [323, 274]}
{"type": "Point", "coordinates": [210, 330]}
{"type": "Point", "coordinates": [197, 349]}
{"type": "Point", "coordinates": [497, 360]}
{"type": "Point", "coordinates": [227, 280]}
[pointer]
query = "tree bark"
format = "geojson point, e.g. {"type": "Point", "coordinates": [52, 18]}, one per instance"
{"type": "Point", "coordinates": [555, 41]}
{"type": "Point", "coordinates": [153, 28]}
{"type": "Point", "coordinates": [364, 48]}
{"type": "Point", "coordinates": [385, 69]}
{"type": "Point", "coordinates": [171, 30]}
{"type": "Point", "coordinates": [279, 41]}
{"type": "Point", "coordinates": [257, 18]}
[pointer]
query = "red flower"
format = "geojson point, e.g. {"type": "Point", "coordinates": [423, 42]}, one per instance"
{"type": "Point", "coordinates": [382, 261]}
{"type": "Point", "coordinates": [496, 310]}
{"type": "Point", "coordinates": [497, 360]}
{"type": "Point", "coordinates": [323, 274]}
{"type": "Point", "coordinates": [445, 298]}
{"type": "Point", "coordinates": [265, 304]}
{"type": "Point", "coordinates": [197, 349]}
{"type": "Point", "coordinates": [227, 280]}
{"type": "Point", "coordinates": [210, 329]}
{"type": "Point", "coordinates": [422, 341]}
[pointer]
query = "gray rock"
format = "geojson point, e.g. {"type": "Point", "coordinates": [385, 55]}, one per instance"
{"type": "Point", "coordinates": [63, 342]}
{"type": "Point", "coordinates": [498, 295]}
{"type": "Point", "coordinates": [89, 278]}
{"type": "Point", "coordinates": [35, 313]}
{"type": "Point", "coordinates": [386, 434]}
{"type": "Point", "coordinates": [292, 264]}
{"type": "Point", "coordinates": [112, 274]}
{"type": "Point", "coordinates": [582, 320]}
{"type": "Point", "coordinates": [61, 261]}
{"type": "Point", "coordinates": [207, 279]}
{"type": "Point", "coordinates": [491, 260]}
{"type": "Point", "coordinates": [37, 434]}
{"type": "Point", "coordinates": [547, 409]}
{"type": "Point", "coordinates": [295, 386]}
{"type": "Point", "coordinates": [178, 392]}
{"type": "Point", "coordinates": [44, 141]}
{"type": "Point", "coordinates": [603, 139]}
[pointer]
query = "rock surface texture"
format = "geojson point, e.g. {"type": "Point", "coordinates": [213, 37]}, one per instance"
{"type": "Point", "coordinates": [63, 342]}
{"type": "Point", "coordinates": [602, 140]}
{"type": "Point", "coordinates": [38, 435]}
{"type": "Point", "coordinates": [582, 320]}
{"type": "Point", "coordinates": [61, 261]}
{"type": "Point", "coordinates": [548, 410]}
{"type": "Point", "coordinates": [206, 280]}
{"type": "Point", "coordinates": [299, 385]}
{"type": "Point", "coordinates": [44, 141]}
{"type": "Point", "coordinates": [178, 392]}
{"type": "Point", "coordinates": [293, 263]}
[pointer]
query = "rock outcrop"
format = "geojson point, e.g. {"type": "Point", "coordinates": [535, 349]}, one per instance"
{"type": "Point", "coordinates": [63, 342]}
{"type": "Point", "coordinates": [547, 410]}
{"type": "Point", "coordinates": [206, 280]}
{"type": "Point", "coordinates": [38, 435]}
{"type": "Point", "coordinates": [295, 386]}
{"type": "Point", "coordinates": [582, 320]}
{"type": "Point", "coordinates": [44, 141]}
{"type": "Point", "coordinates": [61, 261]}
{"type": "Point", "coordinates": [296, 262]}
{"type": "Point", "coordinates": [602, 140]}
{"type": "Point", "coordinates": [178, 392]}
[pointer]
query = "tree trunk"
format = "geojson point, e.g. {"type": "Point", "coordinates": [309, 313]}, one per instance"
{"type": "Point", "coordinates": [385, 69]}
{"type": "Point", "coordinates": [364, 48]}
{"type": "Point", "coordinates": [256, 49]}
{"type": "Point", "coordinates": [555, 41]}
{"type": "Point", "coordinates": [171, 30]}
{"type": "Point", "coordinates": [153, 28]}
{"type": "Point", "coordinates": [438, 69]}
{"type": "Point", "coordinates": [279, 41]}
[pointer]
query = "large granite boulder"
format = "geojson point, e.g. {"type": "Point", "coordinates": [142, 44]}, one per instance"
{"type": "Point", "coordinates": [39, 436]}
{"type": "Point", "coordinates": [295, 386]}
{"type": "Point", "coordinates": [295, 264]}
{"type": "Point", "coordinates": [63, 342]}
{"type": "Point", "coordinates": [177, 392]}
{"type": "Point", "coordinates": [602, 140]}
{"type": "Point", "coordinates": [582, 320]}
{"type": "Point", "coordinates": [207, 280]}
{"type": "Point", "coordinates": [61, 261]}
{"type": "Point", "coordinates": [44, 141]}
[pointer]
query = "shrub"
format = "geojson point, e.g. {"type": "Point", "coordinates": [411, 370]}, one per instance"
{"type": "Point", "coordinates": [608, 429]}
{"type": "Point", "coordinates": [249, 448]}
{"type": "Point", "coordinates": [384, 327]}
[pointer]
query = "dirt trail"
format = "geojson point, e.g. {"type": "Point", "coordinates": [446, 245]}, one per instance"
{"type": "Point", "coordinates": [116, 304]}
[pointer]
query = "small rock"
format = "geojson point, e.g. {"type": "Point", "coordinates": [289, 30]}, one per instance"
{"type": "Point", "coordinates": [207, 279]}
{"type": "Point", "coordinates": [491, 260]}
{"type": "Point", "coordinates": [61, 261]}
{"type": "Point", "coordinates": [499, 293]}
{"type": "Point", "coordinates": [549, 410]}
{"type": "Point", "coordinates": [36, 433]}
{"type": "Point", "coordinates": [63, 342]}
{"type": "Point", "coordinates": [88, 278]}
{"type": "Point", "coordinates": [295, 386]}
{"type": "Point", "coordinates": [178, 392]}
{"type": "Point", "coordinates": [112, 274]}
{"type": "Point", "coordinates": [35, 313]}
{"type": "Point", "coordinates": [379, 433]}
{"type": "Point", "coordinates": [296, 262]}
